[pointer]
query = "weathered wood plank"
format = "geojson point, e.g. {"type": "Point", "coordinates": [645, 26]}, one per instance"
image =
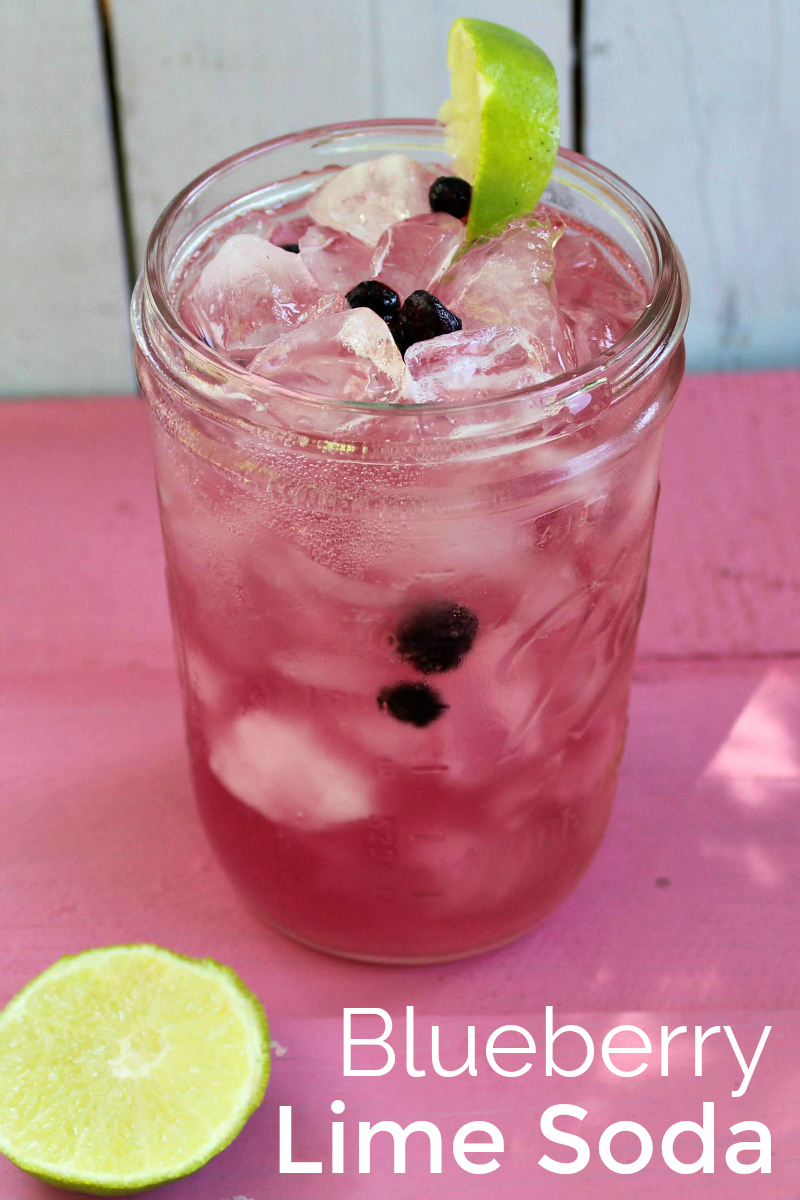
{"type": "Point", "coordinates": [698, 106]}
{"type": "Point", "coordinates": [725, 572]}
{"type": "Point", "coordinates": [199, 81]}
{"type": "Point", "coordinates": [63, 303]}
{"type": "Point", "coordinates": [408, 63]}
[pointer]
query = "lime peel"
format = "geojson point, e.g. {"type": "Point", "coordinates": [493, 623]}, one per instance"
{"type": "Point", "coordinates": [501, 121]}
{"type": "Point", "coordinates": [125, 1067]}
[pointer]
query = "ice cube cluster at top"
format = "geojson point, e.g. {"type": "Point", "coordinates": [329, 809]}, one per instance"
{"type": "Point", "coordinates": [534, 301]}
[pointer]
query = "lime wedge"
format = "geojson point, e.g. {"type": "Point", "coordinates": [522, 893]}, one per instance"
{"type": "Point", "coordinates": [128, 1066]}
{"type": "Point", "coordinates": [501, 121]}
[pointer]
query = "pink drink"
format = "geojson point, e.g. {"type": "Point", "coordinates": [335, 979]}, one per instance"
{"type": "Point", "coordinates": [406, 627]}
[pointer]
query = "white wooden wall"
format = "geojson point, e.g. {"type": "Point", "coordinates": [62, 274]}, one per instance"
{"type": "Point", "coordinates": [197, 85]}
{"type": "Point", "coordinates": [63, 283]}
{"type": "Point", "coordinates": [696, 102]}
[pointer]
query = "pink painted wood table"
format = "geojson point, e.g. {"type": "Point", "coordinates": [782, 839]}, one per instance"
{"type": "Point", "coordinates": [688, 917]}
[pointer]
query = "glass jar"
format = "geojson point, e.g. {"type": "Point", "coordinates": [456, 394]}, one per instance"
{"type": "Point", "coordinates": [371, 793]}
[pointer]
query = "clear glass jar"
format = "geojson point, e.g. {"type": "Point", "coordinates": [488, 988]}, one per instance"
{"type": "Point", "coordinates": [309, 541]}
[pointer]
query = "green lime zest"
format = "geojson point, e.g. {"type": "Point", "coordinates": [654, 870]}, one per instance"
{"type": "Point", "coordinates": [501, 120]}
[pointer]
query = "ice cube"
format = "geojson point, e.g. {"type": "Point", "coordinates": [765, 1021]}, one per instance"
{"type": "Point", "coordinates": [487, 712]}
{"type": "Point", "coordinates": [323, 579]}
{"type": "Point", "coordinates": [206, 680]}
{"type": "Point", "coordinates": [475, 364]}
{"type": "Point", "coordinates": [343, 356]}
{"type": "Point", "coordinates": [326, 670]}
{"type": "Point", "coordinates": [601, 297]}
{"type": "Point", "coordinates": [368, 197]}
{"type": "Point", "coordinates": [287, 231]}
{"type": "Point", "coordinates": [329, 302]}
{"type": "Point", "coordinates": [415, 253]}
{"type": "Point", "coordinates": [336, 260]}
{"type": "Point", "coordinates": [248, 294]}
{"type": "Point", "coordinates": [282, 769]}
{"type": "Point", "coordinates": [379, 736]}
{"type": "Point", "coordinates": [508, 281]}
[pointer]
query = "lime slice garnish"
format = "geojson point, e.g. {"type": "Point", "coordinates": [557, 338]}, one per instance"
{"type": "Point", "coordinates": [128, 1066]}
{"type": "Point", "coordinates": [501, 120]}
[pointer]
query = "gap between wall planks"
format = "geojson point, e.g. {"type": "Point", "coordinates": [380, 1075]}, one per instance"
{"type": "Point", "coordinates": [697, 104]}
{"type": "Point", "coordinates": [199, 81]}
{"type": "Point", "coordinates": [63, 303]}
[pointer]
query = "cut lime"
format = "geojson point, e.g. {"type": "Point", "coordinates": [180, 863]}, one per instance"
{"type": "Point", "coordinates": [501, 120]}
{"type": "Point", "coordinates": [128, 1066]}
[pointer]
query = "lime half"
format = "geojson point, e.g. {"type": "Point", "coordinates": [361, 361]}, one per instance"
{"type": "Point", "coordinates": [501, 120]}
{"type": "Point", "coordinates": [128, 1066]}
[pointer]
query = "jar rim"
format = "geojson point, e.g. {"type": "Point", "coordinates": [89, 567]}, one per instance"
{"type": "Point", "coordinates": [650, 341]}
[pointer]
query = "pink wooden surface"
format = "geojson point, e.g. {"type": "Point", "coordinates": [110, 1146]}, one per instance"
{"type": "Point", "coordinates": [688, 915]}
{"type": "Point", "coordinates": [725, 574]}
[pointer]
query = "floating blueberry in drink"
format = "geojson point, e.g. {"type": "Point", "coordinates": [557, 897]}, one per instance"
{"type": "Point", "coordinates": [449, 194]}
{"type": "Point", "coordinates": [437, 637]}
{"type": "Point", "coordinates": [381, 299]}
{"type": "Point", "coordinates": [415, 703]}
{"type": "Point", "coordinates": [423, 317]}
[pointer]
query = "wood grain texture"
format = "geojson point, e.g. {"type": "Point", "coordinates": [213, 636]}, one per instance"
{"type": "Point", "coordinates": [697, 104]}
{"type": "Point", "coordinates": [63, 303]}
{"type": "Point", "coordinates": [64, 606]}
{"type": "Point", "coordinates": [725, 572]}
{"type": "Point", "coordinates": [199, 81]}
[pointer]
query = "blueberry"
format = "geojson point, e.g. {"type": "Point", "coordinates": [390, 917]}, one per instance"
{"type": "Point", "coordinates": [415, 703]}
{"type": "Point", "coordinates": [436, 637]}
{"type": "Point", "coordinates": [381, 299]}
{"type": "Point", "coordinates": [423, 317]}
{"type": "Point", "coordinates": [449, 194]}
{"type": "Point", "coordinates": [292, 247]}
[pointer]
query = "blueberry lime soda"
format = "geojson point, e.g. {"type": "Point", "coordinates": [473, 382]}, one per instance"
{"type": "Point", "coordinates": [408, 382]}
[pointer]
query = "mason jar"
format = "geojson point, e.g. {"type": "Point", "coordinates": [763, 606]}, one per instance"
{"type": "Point", "coordinates": [405, 632]}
